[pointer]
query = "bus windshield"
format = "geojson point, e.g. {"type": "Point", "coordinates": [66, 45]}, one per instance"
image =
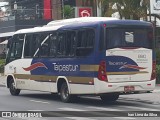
{"type": "Point", "coordinates": [124, 37]}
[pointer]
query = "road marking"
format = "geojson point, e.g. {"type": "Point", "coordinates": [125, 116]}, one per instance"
{"type": "Point", "coordinates": [125, 118]}
{"type": "Point", "coordinates": [39, 101]}
{"type": "Point", "coordinates": [32, 118]}
{"type": "Point", "coordinates": [79, 118]}
{"type": "Point", "coordinates": [71, 109]}
{"type": "Point", "coordinates": [140, 108]}
{"type": "Point", "coordinates": [155, 91]}
{"type": "Point", "coordinates": [36, 110]}
{"type": "Point", "coordinates": [102, 108]}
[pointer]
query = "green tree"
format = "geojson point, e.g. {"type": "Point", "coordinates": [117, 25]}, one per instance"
{"type": "Point", "coordinates": [129, 9]}
{"type": "Point", "coordinates": [68, 11]}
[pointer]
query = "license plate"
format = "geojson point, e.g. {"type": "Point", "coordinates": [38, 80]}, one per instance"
{"type": "Point", "coordinates": [129, 88]}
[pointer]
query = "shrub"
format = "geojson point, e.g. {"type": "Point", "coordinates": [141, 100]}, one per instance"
{"type": "Point", "coordinates": [158, 56]}
{"type": "Point", "coordinates": [158, 73]}
{"type": "Point", "coordinates": [2, 63]}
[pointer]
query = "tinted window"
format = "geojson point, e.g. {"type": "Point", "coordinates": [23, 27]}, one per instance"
{"type": "Point", "coordinates": [128, 38]}
{"type": "Point", "coordinates": [85, 42]}
{"type": "Point", "coordinates": [28, 52]}
{"type": "Point", "coordinates": [15, 52]}
{"type": "Point", "coordinates": [45, 45]}
{"type": "Point", "coordinates": [53, 45]}
{"type": "Point", "coordinates": [61, 48]}
{"type": "Point", "coordinates": [70, 43]}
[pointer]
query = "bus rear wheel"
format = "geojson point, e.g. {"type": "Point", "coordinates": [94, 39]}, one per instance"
{"type": "Point", "coordinates": [12, 89]}
{"type": "Point", "coordinates": [109, 97]}
{"type": "Point", "coordinates": [64, 94]}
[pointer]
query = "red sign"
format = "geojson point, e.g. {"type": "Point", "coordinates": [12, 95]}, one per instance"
{"type": "Point", "coordinates": [84, 12]}
{"type": "Point", "coordinates": [47, 10]}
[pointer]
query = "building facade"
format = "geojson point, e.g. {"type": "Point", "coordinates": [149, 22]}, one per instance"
{"type": "Point", "coordinates": [21, 14]}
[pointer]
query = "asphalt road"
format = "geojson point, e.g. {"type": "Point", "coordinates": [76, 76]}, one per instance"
{"type": "Point", "coordinates": [128, 107]}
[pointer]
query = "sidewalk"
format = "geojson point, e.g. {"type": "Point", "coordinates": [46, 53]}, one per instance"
{"type": "Point", "coordinates": [157, 88]}
{"type": "Point", "coordinates": [2, 81]}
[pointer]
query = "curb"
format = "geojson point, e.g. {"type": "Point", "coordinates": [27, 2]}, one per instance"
{"type": "Point", "coordinates": [2, 86]}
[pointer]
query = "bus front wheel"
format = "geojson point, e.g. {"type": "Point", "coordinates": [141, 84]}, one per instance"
{"type": "Point", "coordinates": [109, 97]}
{"type": "Point", "coordinates": [64, 94]}
{"type": "Point", "coordinates": [12, 88]}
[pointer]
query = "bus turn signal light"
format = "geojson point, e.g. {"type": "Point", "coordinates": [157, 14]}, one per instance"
{"type": "Point", "coordinates": [102, 71]}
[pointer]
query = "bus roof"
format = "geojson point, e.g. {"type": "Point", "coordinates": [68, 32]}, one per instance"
{"type": "Point", "coordinates": [60, 23]}
{"type": "Point", "coordinates": [55, 25]}
{"type": "Point", "coordinates": [37, 29]}
{"type": "Point", "coordinates": [79, 20]}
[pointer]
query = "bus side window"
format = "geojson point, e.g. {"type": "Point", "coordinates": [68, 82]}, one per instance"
{"type": "Point", "coordinates": [28, 52]}
{"type": "Point", "coordinates": [70, 43]}
{"type": "Point", "coordinates": [16, 48]}
{"type": "Point", "coordinates": [45, 45]}
{"type": "Point", "coordinates": [90, 38]}
{"type": "Point", "coordinates": [38, 41]}
{"type": "Point", "coordinates": [85, 42]}
{"type": "Point", "coordinates": [53, 48]}
{"type": "Point", "coordinates": [61, 44]}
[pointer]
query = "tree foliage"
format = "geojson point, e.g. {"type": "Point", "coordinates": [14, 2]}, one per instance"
{"type": "Point", "coordinates": [129, 9]}
{"type": "Point", "coordinates": [68, 11]}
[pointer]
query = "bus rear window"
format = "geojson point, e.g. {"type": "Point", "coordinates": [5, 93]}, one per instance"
{"type": "Point", "coordinates": [122, 37]}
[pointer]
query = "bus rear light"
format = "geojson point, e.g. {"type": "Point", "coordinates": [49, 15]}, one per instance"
{"type": "Point", "coordinates": [102, 71]}
{"type": "Point", "coordinates": [153, 75]}
{"type": "Point", "coordinates": [148, 84]}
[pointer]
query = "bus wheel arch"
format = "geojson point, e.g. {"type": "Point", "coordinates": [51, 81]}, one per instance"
{"type": "Point", "coordinates": [64, 91]}
{"type": "Point", "coordinates": [9, 78]}
{"type": "Point", "coordinates": [11, 86]}
{"type": "Point", "coordinates": [60, 81]}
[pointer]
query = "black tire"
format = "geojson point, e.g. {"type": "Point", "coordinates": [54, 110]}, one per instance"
{"type": "Point", "coordinates": [12, 89]}
{"type": "Point", "coordinates": [109, 97]}
{"type": "Point", "coordinates": [64, 94]}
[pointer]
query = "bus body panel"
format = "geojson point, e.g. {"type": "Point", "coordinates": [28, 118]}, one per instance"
{"type": "Point", "coordinates": [124, 67]}
{"type": "Point", "coordinates": [127, 65]}
{"type": "Point", "coordinates": [43, 75]}
{"type": "Point", "coordinates": [23, 78]}
{"type": "Point", "coordinates": [73, 70]}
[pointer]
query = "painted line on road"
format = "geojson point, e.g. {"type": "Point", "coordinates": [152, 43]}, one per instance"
{"type": "Point", "coordinates": [79, 118]}
{"type": "Point", "coordinates": [99, 108]}
{"type": "Point", "coordinates": [125, 118]}
{"type": "Point", "coordinates": [36, 110]}
{"type": "Point", "coordinates": [39, 101]}
{"type": "Point", "coordinates": [111, 109]}
{"type": "Point", "coordinates": [71, 109]}
{"type": "Point", "coordinates": [105, 109]}
{"type": "Point", "coordinates": [138, 108]}
{"type": "Point", "coordinates": [28, 118]}
{"type": "Point", "coordinates": [155, 91]}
